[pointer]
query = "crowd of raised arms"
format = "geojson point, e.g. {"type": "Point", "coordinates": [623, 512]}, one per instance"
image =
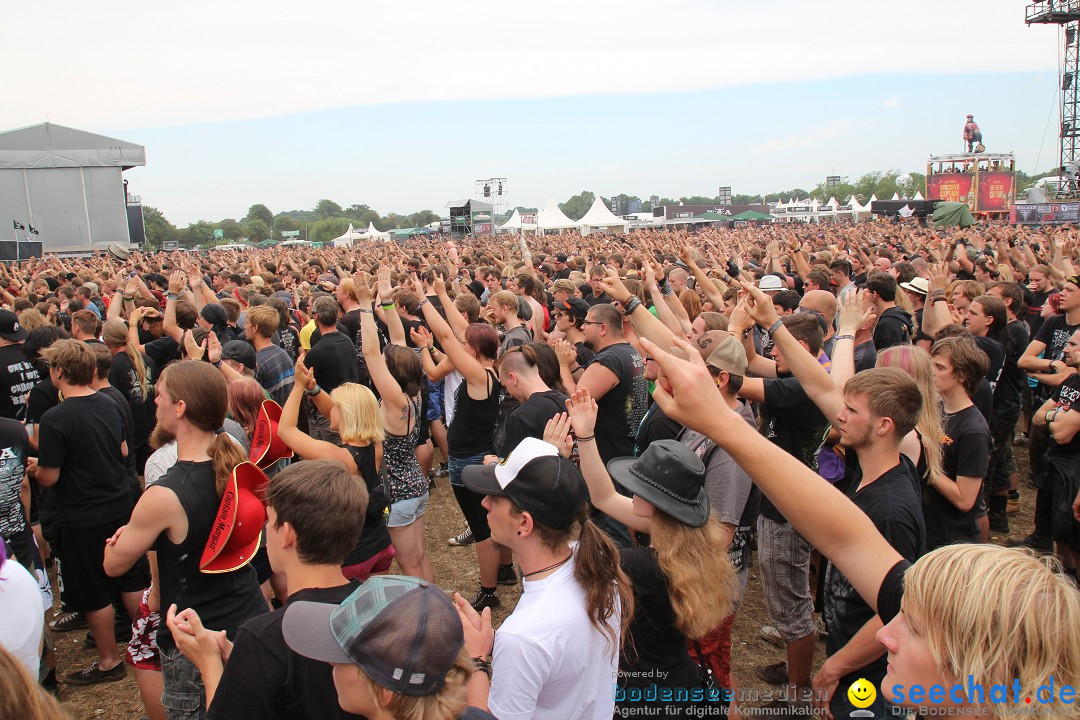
{"type": "Point", "coordinates": [224, 455]}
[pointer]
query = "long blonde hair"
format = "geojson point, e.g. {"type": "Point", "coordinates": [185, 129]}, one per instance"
{"type": "Point", "coordinates": [915, 361]}
{"type": "Point", "coordinates": [998, 615]}
{"type": "Point", "coordinates": [701, 580]}
{"type": "Point", "coordinates": [445, 704]}
{"type": "Point", "coordinates": [20, 695]}
{"type": "Point", "coordinates": [361, 422]}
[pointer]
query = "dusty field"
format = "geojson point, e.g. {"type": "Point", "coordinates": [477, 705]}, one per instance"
{"type": "Point", "coordinates": [455, 570]}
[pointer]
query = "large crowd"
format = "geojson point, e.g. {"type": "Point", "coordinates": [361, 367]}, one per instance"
{"type": "Point", "coordinates": [224, 455]}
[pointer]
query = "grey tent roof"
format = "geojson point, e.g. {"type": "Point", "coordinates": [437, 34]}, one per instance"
{"type": "Point", "coordinates": [474, 205]}
{"type": "Point", "coordinates": [54, 146]}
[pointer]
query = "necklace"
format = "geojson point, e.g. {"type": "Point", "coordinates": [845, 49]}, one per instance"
{"type": "Point", "coordinates": [549, 567]}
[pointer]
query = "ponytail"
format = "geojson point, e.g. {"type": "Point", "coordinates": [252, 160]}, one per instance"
{"type": "Point", "coordinates": [598, 569]}
{"type": "Point", "coordinates": [226, 454]}
{"type": "Point", "coordinates": [140, 370]}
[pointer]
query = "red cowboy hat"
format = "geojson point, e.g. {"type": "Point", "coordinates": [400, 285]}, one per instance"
{"type": "Point", "coordinates": [266, 447]}
{"type": "Point", "coordinates": [237, 529]}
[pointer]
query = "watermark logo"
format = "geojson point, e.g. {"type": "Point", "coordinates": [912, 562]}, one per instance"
{"type": "Point", "coordinates": [862, 695]}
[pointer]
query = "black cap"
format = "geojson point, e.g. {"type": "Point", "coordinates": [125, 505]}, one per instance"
{"type": "Point", "coordinates": [10, 329]}
{"type": "Point", "coordinates": [560, 257]}
{"type": "Point", "coordinates": [537, 479]}
{"type": "Point", "coordinates": [239, 351]}
{"type": "Point", "coordinates": [577, 307]}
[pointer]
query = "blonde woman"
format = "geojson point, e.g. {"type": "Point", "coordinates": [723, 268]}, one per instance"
{"type": "Point", "coordinates": [975, 628]}
{"type": "Point", "coordinates": [684, 584]}
{"type": "Point", "coordinates": [354, 415]}
{"type": "Point", "coordinates": [926, 451]}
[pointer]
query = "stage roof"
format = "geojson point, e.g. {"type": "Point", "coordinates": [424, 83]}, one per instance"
{"type": "Point", "coordinates": [54, 146]}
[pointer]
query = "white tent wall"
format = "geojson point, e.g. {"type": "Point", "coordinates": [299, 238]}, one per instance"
{"type": "Point", "coordinates": [71, 208]}
{"type": "Point", "coordinates": [599, 217]}
{"type": "Point", "coordinates": [553, 218]}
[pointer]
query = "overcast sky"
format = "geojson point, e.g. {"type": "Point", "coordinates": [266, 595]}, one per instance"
{"type": "Point", "coordinates": [402, 105]}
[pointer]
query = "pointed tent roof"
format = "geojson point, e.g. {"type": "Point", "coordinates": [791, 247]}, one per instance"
{"type": "Point", "coordinates": [513, 222]}
{"type": "Point", "coordinates": [600, 216]}
{"type": "Point", "coordinates": [896, 196]}
{"type": "Point", "coordinates": [373, 232]}
{"type": "Point", "coordinates": [348, 237]}
{"type": "Point", "coordinates": [918, 195]}
{"type": "Point", "coordinates": [553, 218]}
{"type": "Point", "coordinates": [55, 146]}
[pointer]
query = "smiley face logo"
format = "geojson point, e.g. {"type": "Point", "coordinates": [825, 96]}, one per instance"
{"type": "Point", "coordinates": [862, 693]}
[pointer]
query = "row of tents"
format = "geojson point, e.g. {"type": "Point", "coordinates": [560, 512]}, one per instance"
{"type": "Point", "coordinates": [598, 218]}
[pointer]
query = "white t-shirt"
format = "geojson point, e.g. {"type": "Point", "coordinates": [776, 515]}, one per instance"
{"type": "Point", "coordinates": [450, 385]}
{"type": "Point", "coordinates": [22, 615]}
{"type": "Point", "coordinates": [549, 662]}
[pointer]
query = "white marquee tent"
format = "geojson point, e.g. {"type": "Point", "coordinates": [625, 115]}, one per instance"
{"type": "Point", "coordinates": [553, 218]}
{"type": "Point", "coordinates": [515, 224]}
{"type": "Point", "coordinates": [599, 216]}
{"type": "Point", "coordinates": [372, 233]}
{"type": "Point", "coordinates": [348, 238]}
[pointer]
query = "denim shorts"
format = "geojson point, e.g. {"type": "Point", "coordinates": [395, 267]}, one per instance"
{"type": "Point", "coordinates": [456, 464]}
{"type": "Point", "coordinates": [183, 695]}
{"type": "Point", "coordinates": [406, 512]}
{"type": "Point", "coordinates": [435, 401]}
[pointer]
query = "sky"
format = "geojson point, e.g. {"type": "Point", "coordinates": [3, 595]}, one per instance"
{"type": "Point", "coordinates": [403, 105]}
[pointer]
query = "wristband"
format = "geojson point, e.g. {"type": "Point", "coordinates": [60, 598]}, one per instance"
{"type": "Point", "coordinates": [387, 304]}
{"type": "Point", "coordinates": [172, 296]}
{"type": "Point", "coordinates": [312, 392]}
{"type": "Point", "coordinates": [587, 438]}
{"type": "Point", "coordinates": [421, 304]}
{"type": "Point", "coordinates": [938, 299]}
{"type": "Point", "coordinates": [369, 311]}
{"type": "Point", "coordinates": [631, 305]}
{"type": "Point", "coordinates": [775, 326]}
{"type": "Point", "coordinates": [217, 364]}
{"type": "Point", "coordinates": [481, 664]}
{"type": "Point", "coordinates": [1050, 415]}
{"type": "Point", "coordinates": [845, 337]}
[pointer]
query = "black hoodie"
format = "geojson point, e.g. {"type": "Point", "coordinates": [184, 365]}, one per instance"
{"type": "Point", "coordinates": [894, 327]}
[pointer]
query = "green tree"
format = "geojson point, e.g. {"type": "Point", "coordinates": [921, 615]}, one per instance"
{"type": "Point", "coordinates": [257, 230]}
{"type": "Point", "coordinates": [422, 218]}
{"type": "Point", "coordinates": [355, 210]}
{"type": "Point", "coordinates": [283, 223]}
{"type": "Point", "coordinates": [198, 233]}
{"type": "Point", "coordinates": [328, 229]}
{"type": "Point", "coordinates": [393, 220]}
{"type": "Point", "coordinates": [158, 229]}
{"type": "Point", "coordinates": [576, 207]}
{"type": "Point", "coordinates": [327, 209]}
{"type": "Point", "coordinates": [232, 230]}
{"type": "Point", "coordinates": [259, 211]}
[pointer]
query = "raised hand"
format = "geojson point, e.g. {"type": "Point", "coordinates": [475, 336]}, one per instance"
{"type": "Point", "coordinates": [303, 375]}
{"type": "Point", "coordinates": [177, 281]}
{"type": "Point", "coordinates": [759, 305]}
{"type": "Point", "coordinates": [614, 286]}
{"type": "Point", "coordinates": [213, 348]}
{"type": "Point", "coordinates": [854, 312]}
{"type": "Point", "coordinates": [421, 337]}
{"type": "Point", "coordinates": [565, 351]}
{"type": "Point", "coordinates": [557, 433]}
{"type": "Point", "coordinates": [194, 350]}
{"type": "Point", "coordinates": [582, 410]}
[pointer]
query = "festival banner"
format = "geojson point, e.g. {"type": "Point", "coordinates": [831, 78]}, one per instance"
{"type": "Point", "coordinates": [995, 191]}
{"type": "Point", "coordinates": [1045, 214]}
{"type": "Point", "coordinates": [952, 187]}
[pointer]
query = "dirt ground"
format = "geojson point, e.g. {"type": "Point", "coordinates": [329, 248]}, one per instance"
{"type": "Point", "coordinates": [455, 570]}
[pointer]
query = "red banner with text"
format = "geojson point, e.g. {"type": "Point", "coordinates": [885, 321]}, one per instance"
{"type": "Point", "coordinates": [995, 191]}
{"type": "Point", "coordinates": [952, 187]}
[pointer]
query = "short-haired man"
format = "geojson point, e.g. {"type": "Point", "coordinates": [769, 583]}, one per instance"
{"type": "Point", "coordinates": [85, 326]}
{"type": "Point", "coordinates": [952, 511]}
{"type": "Point", "coordinates": [840, 278]}
{"type": "Point", "coordinates": [874, 414]}
{"type": "Point", "coordinates": [312, 510]}
{"type": "Point", "coordinates": [570, 315]}
{"type": "Point", "coordinates": [503, 307]}
{"type": "Point", "coordinates": [18, 376]}
{"type": "Point", "coordinates": [333, 361]}
{"type": "Point", "coordinates": [81, 454]}
{"type": "Point", "coordinates": [273, 368]}
{"type": "Point", "coordinates": [598, 296]}
{"type": "Point", "coordinates": [894, 325]}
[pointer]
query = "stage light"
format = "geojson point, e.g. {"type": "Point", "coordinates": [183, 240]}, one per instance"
{"type": "Point", "coordinates": [1070, 36]}
{"type": "Point", "coordinates": [1066, 81]}
{"type": "Point", "coordinates": [500, 189]}
{"type": "Point", "coordinates": [487, 190]}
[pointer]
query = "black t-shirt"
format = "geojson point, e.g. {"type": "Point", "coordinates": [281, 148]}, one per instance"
{"type": "Point", "coordinates": [1034, 303]}
{"type": "Point", "coordinates": [129, 462]}
{"type": "Point", "coordinates": [656, 425]}
{"type": "Point", "coordinates": [164, 350]}
{"type": "Point", "coordinates": [1054, 334]}
{"type": "Point", "coordinates": [517, 335]}
{"type": "Point", "coordinates": [597, 299]}
{"type": "Point", "coordinates": [17, 378]}
{"type": "Point", "coordinates": [895, 508]}
{"type": "Point", "coordinates": [894, 327]}
{"type": "Point", "coordinates": [123, 377]}
{"type": "Point", "coordinates": [865, 356]}
{"type": "Point", "coordinates": [333, 361]}
{"type": "Point", "coordinates": [622, 407]}
{"type": "Point", "coordinates": [658, 646]}
{"type": "Point", "coordinates": [351, 322]}
{"type": "Point", "coordinates": [264, 679]}
{"type": "Point", "coordinates": [289, 341]}
{"type": "Point", "coordinates": [14, 448]}
{"type": "Point", "coordinates": [531, 417]}
{"type": "Point", "coordinates": [585, 354]}
{"type": "Point", "coordinates": [1067, 397]}
{"type": "Point", "coordinates": [965, 452]}
{"type": "Point", "coordinates": [891, 592]}
{"type": "Point", "coordinates": [984, 395]}
{"type": "Point", "coordinates": [793, 422]}
{"type": "Point", "coordinates": [1012, 380]}
{"type": "Point", "coordinates": [83, 437]}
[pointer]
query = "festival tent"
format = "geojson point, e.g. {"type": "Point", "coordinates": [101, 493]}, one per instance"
{"type": "Point", "coordinates": [599, 216]}
{"type": "Point", "coordinates": [751, 215]}
{"type": "Point", "coordinates": [918, 196]}
{"type": "Point", "coordinates": [952, 214]}
{"type": "Point", "coordinates": [348, 238]}
{"type": "Point", "coordinates": [515, 224]}
{"type": "Point", "coordinates": [373, 233]}
{"type": "Point", "coordinates": [713, 217]}
{"type": "Point", "coordinates": [553, 218]}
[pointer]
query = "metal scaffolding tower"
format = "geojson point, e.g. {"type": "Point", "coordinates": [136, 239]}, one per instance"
{"type": "Point", "coordinates": [1065, 13]}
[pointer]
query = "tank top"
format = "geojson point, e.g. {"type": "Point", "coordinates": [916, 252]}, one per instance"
{"type": "Point", "coordinates": [403, 473]}
{"type": "Point", "coordinates": [374, 538]}
{"type": "Point", "coordinates": [472, 430]}
{"type": "Point", "coordinates": [224, 601]}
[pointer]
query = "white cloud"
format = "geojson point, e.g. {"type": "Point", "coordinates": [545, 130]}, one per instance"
{"type": "Point", "coordinates": [890, 102]}
{"type": "Point", "coordinates": [825, 132]}
{"type": "Point", "coordinates": [106, 67]}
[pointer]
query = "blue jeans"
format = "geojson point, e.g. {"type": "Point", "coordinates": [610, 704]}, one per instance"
{"type": "Point", "coordinates": [183, 695]}
{"type": "Point", "coordinates": [456, 464]}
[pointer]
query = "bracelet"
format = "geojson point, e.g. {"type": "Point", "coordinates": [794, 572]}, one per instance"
{"type": "Point", "coordinates": [312, 392]}
{"type": "Point", "coordinates": [369, 311]}
{"type": "Point", "coordinates": [845, 337]}
{"type": "Point", "coordinates": [775, 326]}
{"type": "Point", "coordinates": [633, 304]}
{"type": "Point", "coordinates": [172, 296]}
{"type": "Point", "coordinates": [217, 364]}
{"type": "Point", "coordinates": [481, 664]}
{"type": "Point", "coordinates": [422, 303]}
{"type": "Point", "coordinates": [387, 304]}
{"type": "Point", "coordinates": [587, 438]}
{"type": "Point", "coordinates": [938, 299]}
